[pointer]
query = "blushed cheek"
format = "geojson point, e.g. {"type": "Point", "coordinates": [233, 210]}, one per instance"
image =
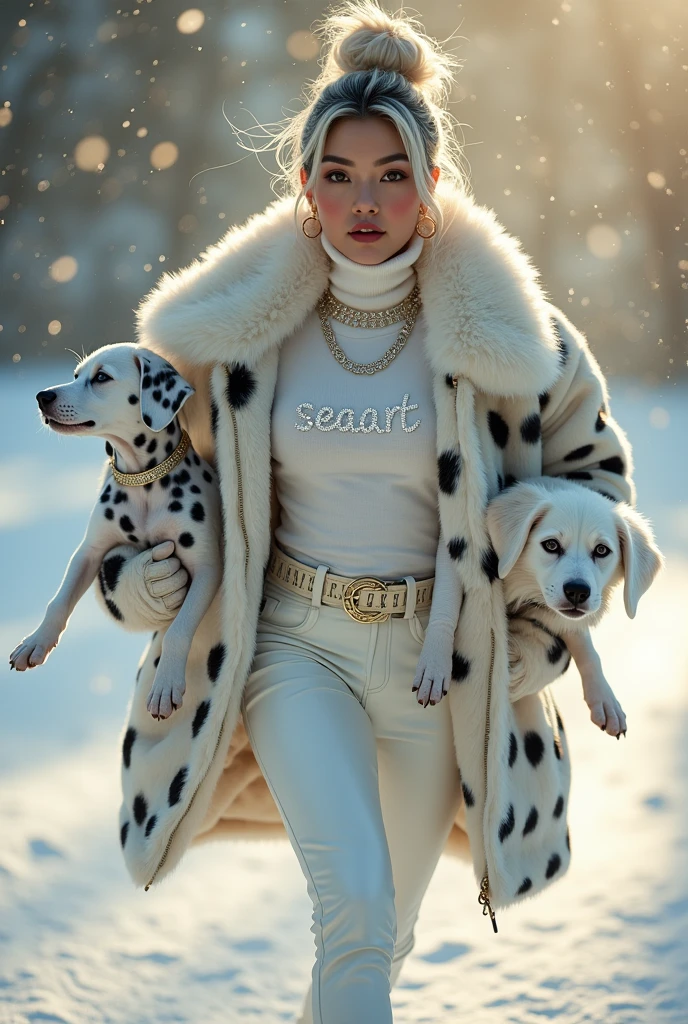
{"type": "Point", "coordinates": [403, 206]}
{"type": "Point", "coordinates": [332, 208]}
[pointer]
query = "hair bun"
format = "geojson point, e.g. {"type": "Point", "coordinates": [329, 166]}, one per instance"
{"type": "Point", "coordinates": [362, 36]}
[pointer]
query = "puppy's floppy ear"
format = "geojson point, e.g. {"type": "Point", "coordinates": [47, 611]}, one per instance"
{"type": "Point", "coordinates": [163, 390]}
{"type": "Point", "coordinates": [640, 556]}
{"type": "Point", "coordinates": [511, 516]}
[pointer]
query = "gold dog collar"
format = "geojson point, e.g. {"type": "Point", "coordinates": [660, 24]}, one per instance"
{"type": "Point", "coordinates": [147, 476]}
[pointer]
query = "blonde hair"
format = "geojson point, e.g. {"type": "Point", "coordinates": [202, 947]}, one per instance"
{"type": "Point", "coordinates": [375, 64]}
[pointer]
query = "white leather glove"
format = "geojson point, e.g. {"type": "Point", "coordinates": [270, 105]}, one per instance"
{"type": "Point", "coordinates": [141, 590]}
{"type": "Point", "coordinates": [434, 670]}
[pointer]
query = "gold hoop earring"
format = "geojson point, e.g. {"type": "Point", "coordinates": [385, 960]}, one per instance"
{"type": "Point", "coordinates": [429, 231]}
{"type": "Point", "coordinates": [314, 217]}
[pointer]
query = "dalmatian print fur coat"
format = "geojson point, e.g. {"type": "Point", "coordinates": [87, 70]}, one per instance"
{"type": "Point", "coordinates": [517, 394]}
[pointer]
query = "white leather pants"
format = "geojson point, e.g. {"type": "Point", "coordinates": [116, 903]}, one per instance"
{"type": "Point", "coordinates": [365, 780]}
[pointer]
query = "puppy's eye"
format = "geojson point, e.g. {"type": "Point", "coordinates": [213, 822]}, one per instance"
{"type": "Point", "coordinates": [551, 545]}
{"type": "Point", "coordinates": [100, 377]}
{"type": "Point", "coordinates": [601, 551]}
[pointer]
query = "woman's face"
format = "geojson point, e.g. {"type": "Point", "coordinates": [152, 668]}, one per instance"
{"type": "Point", "coordinates": [365, 178]}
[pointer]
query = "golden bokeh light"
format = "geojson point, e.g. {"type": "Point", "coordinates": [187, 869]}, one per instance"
{"type": "Point", "coordinates": [190, 21]}
{"type": "Point", "coordinates": [5, 117]}
{"type": "Point", "coordinates": [91, 153]}
{"type": "Point", "coordinates": [302, 45]}
{"type": "Point", "coordinates": [54, 327]}
{"type": "Point", "coordinates": [63, 269]}
{"type": "Point", "coordinates": [603, 241]}
{"type": "Point", "coordinates": [656, 179]}
{"type": "Point", "coordinates": [164, 155]}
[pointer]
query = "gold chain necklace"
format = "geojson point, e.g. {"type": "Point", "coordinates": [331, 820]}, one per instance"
{"type": "Point", "coordinates": [407, 310]}
{"type": "Point", "coordinates": [147, 476]}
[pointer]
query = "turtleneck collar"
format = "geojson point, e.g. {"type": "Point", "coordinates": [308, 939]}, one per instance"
{"type": "Point", "coordinates": [372, 287]}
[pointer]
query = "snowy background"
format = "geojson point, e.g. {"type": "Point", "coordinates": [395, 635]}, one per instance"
{"type": "Point", "coordinates": [117, 163]}
{"type": "Point", "coordinates": [226, 937]}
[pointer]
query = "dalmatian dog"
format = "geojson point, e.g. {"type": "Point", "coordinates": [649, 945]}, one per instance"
{"type": "Point", "coordinates": [562, 549]}
{"type": "Point", "coordinates": [131, 396]}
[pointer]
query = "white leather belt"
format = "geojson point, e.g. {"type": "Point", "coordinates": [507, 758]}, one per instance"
{"type": "Point", "coordinates": [363, 598]}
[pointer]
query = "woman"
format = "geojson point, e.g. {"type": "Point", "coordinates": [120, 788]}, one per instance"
{"type": "Point", "coordinates": [299, 715]}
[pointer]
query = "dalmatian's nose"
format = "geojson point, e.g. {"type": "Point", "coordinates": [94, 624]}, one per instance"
{"type": "Point", "coordinates": [576, 591]}
{"type": "Point", "coordinates": [45, 398]}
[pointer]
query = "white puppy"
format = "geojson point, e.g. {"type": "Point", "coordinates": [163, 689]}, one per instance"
{"type": "Point", "coordinates": [130, 396]}
{"type": "Point", "coordinates": [561, 551]}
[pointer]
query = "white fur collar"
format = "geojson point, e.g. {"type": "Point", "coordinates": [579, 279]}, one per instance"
{"type": "Point", "coordinates": [487, 317]}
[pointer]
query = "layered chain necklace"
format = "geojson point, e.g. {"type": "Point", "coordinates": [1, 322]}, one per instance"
{"type": "Point", "coordinates": [406, 310]}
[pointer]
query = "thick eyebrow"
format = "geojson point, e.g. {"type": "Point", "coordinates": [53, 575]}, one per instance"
{"type": "Point", "coordinates": [329, 158]}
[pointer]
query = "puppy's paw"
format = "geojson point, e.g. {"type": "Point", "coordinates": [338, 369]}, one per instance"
{"type": "Point", "coordinates": [606, 712]}
{"type": "Point", "coordinates": [33, 650]}
{"type": "Point", "coordinates": [166, 693]}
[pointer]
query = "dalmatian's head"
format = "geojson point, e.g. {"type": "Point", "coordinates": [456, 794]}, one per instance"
{"type": "Point", "coordinates": [569, 547]}
{"type": "Point", "coordinates": [115, 390]}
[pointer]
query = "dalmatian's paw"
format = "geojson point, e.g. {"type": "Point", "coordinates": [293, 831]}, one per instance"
{"type": "Point", "coordinates": [34, 649]}
{"type": "Point", "coordinates": [605, 710]}
{"type": "Point", "coordinates": [167, 690]}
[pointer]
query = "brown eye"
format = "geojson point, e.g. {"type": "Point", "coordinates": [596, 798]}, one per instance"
{"type": "Point", "coordinates": [601, 551]}
{"type": "Point", "coordinates": [101, 377]}
{"type": "Point", "coordinates": [551, 545]}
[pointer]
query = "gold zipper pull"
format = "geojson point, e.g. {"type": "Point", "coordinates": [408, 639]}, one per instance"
{"type": "Point", "coordinates": [484, 899]}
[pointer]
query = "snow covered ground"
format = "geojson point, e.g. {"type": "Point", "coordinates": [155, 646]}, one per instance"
{"type": "Point", "coordinates": [227, 937]}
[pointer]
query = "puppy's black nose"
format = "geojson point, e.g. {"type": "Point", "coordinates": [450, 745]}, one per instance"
{"type": "Point", "coordinates": [576, 591]}
{"type": "Point", "coordinates": [45, 398]}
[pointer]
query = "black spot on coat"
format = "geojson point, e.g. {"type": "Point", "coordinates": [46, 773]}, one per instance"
{"type": "Point", "coordinates": [200, 717]}
{"type": "Point", "coordinates": [127, 744]}
{"type": "Point", "coordinates": [499, 428]}
{"type": "Point", "coordinates": [457, 547]}
{"type": "Point", "coordinates": [241, 384]}
{"type": "Point", "coordinates": [513, 749]}
{"type": "Point", "coordinates": [614, 464]}
{"type": "Point", "coordinates": [534, 747]}
{"type": "Point", "coordinates": [579, 453]}
{"type": "Point", "coordinates": [553, 865]}
{"type": "Point", "coordinates": [140, 808]}
{"type": "Point", "coordinates": [215, 658]}
{"type": "Point", "coordinates": [177, 785]}
{"type": "Point", "coordinates": [489, 562]}
{"type": "Point", "coordinates": [110, 570]}
{"type": "Point", "coordinates": [461, 666]}
{"type": "Point", "coordinates": [507, 825]}
{"type": "Point", "coordinates": [531, 821]}
{"type": "Point", "coordinates": [449, 470]}
{"type": "Point", "coordinates": [530, 428]}
{"type": "Point", "coordinates": [468, 795]}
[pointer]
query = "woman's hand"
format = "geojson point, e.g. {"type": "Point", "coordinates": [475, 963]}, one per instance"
{"type": "Point", "coordinates": [433, 672]}
{"type": "Point", "coordinates": [142, 591]}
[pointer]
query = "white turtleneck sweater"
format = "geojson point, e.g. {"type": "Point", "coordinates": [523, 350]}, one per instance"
{"type": "Point", "coordinates": [354, 455]}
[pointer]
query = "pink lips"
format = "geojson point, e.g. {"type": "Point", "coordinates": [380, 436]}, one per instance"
{"type": "Point", "coordinates": [366, 236]}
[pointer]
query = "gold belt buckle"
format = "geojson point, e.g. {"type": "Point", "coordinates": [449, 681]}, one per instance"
{"type": "Point", "coordinates": [350, 596]}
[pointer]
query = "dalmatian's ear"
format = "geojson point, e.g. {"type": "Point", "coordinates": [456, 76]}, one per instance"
{"type": "Point", "coordinates": [640, 556]}
{"type": "Point", "coordinates": [163, 390]}
{"type": "Point", "coordinates": [510, 517]}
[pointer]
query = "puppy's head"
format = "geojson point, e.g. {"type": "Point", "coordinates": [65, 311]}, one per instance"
{"type": "Point", "coordinates": [114, 390]}
{"type": "Point", "coordinates": [567, 546]}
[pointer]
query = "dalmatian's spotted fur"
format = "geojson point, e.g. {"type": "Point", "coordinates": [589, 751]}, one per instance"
{"type": "Point", "coordinates": [131, 396]}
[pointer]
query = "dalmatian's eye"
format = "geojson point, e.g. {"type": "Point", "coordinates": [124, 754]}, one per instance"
{"type": "Point", "coordinates": [101, 377]}
{"type": "Point", "coordinates": [552, 545]}
{"type": "Point", "coordinates": [601, 551]}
